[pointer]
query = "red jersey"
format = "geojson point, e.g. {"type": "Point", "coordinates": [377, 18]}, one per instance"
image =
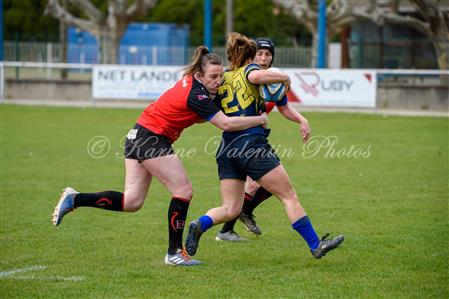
{"type": "Point", "coordinates": [269, 106]}
{"type": "Point", "coordinates": [179, 107]}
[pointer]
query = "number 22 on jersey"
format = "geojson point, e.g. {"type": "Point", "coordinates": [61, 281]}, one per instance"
{"type": "Point", "coordinates": [238, 101]}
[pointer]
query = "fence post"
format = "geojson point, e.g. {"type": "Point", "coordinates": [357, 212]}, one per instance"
{"type": "Point", "coordinates": [49, 54]}
{"type": "Point", "coordinates": [381, 47]}
{"type": "Point", "coordinates": [154, 55]}
{"type": "Point", "coordinates": [17, 50]}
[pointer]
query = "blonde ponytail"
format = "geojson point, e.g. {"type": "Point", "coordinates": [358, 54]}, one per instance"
{"type": "Point", "coordinates": [239, 49]}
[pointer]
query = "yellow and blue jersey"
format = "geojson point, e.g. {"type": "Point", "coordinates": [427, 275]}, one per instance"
{"type": "Point", "coordinates": [239, 97]}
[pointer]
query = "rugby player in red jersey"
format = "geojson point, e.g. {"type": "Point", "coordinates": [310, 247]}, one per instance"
{"type": "Point", "coordinates": [149, 152]}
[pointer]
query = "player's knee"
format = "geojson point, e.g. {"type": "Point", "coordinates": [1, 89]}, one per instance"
{"type": "Point", "coordinates": [233, 212]}
{"type": "Point", "coordinates": [184, 191]}
{"type": "Point", "coordinates": [133, 202]}
{"type": "Point", "coordinates": [288, 196]}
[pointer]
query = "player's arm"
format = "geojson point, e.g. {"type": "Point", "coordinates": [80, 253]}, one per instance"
{"type": "Point", "coordinates": [267, 77]}
{"type": "Point", "coordinates": [237, 123]}
{"type": "Point", "coordinates": [202, 105]}
{"type": "Point", "coordinates": [257, 76]}
{"type": "Point", "coordinates": [291, 114]}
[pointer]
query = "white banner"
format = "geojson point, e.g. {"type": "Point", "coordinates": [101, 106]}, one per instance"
{"type": "Point", "coordinates": [133, 82]}
{"type": "Point", "coordinates": [333, 88]}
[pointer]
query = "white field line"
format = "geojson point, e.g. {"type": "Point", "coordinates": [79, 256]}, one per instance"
{"type": "Point", "coordinates": [21, 270]}
{"type": "Point", "coordinates": [48, 278]}
{"type": "Point", "coordinates": [11, 274]}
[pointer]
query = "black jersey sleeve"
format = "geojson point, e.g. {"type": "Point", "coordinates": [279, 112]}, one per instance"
{"type": "Point", "coordinates": [202, 104]}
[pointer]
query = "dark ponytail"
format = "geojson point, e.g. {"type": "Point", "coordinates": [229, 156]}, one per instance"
{"type": "Point", "coordinates": [201, 57]}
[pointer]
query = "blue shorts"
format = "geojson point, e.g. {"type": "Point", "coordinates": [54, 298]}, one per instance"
{"type": "Point", "coordinates": [246, 155]}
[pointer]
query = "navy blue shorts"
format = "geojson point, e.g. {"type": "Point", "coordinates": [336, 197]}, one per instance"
{"type": "Point", "coordinates": [246, 155]}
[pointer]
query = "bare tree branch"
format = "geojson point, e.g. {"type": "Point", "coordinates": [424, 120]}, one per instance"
{"type": "Point", "coordinates": [409, 21]}
{"type": "Point", "coordinates": [435, 17]}
{"type": "Point", "coordinates": [109, 28]}
{"type": "Point", "coordinates": [56, 10]}
{"type": "Point", "coordinates": [91, 11]}
{"type": "Point", "coordinates": [337, 9]}
{"type": "Point", "coordinates": [297, 8]}
{"type": "Point", "coordinates": [301, 10]}
{"type": "Point", "coordinates": [343, 13]}
{"type": "Point", "coordinates": [139, 8]}
{"type": "Point", "coordinates": [116, 7]}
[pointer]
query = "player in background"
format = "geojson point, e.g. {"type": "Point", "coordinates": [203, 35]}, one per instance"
{"type": "Point", "coordinates": [247, 153]}
{"type": "Point", "coordinates": [255, 194]}
{"type": "Point", "coordinates": [149, 152]}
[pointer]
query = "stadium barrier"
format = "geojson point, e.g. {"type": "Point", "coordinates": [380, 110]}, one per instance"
{"type": "Point", "coordinates": [80, 84]}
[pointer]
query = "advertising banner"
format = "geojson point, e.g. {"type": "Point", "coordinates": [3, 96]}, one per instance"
{"type": "Point", "coordinates": [133, 82]}
{"type": "Point", "coordinates": [333, 88]}
{"type": "Point", "coordinates": [310, 87]}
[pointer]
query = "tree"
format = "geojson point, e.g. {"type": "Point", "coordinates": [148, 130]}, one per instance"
{"type": "Point", "coordinates": [108, 27]}
{"type": "Point", "coordinates": [24, 20]}
{"type": "Point", "coordinates": [343, 13]}
{"type": "Point", "coordinates": [253, 18]}
{"type": "Point", "coordinates": [339, 14]}
{"type": "Point", "coordinates": [306, 13]}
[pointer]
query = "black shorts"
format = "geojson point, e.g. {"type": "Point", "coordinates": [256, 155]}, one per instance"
{"type": "Point", "coordinates": [246, 155]}
{"type": "Point", "coordinates": [142, 144]}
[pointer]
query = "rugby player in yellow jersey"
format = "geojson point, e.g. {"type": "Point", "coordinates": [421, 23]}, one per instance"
{"type": "Point", "coordinates": [255, 194]}
{"type": "Point", "coordinates": [247, 152]}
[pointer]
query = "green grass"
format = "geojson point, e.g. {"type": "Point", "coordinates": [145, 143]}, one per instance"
{"type": "Point", "coordinates": [391, 204]}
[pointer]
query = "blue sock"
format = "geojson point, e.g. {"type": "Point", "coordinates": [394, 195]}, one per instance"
{"type": "Point", "coordinates": [304, 227]}
{"type": "Point", "coordinates": [206, 222]}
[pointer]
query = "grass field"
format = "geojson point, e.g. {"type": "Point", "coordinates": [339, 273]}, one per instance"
{"type": "Point", "coordinates": [384, 184]}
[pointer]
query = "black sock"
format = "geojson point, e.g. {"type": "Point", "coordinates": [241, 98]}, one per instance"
{"type": "Point", "coordinates": [177, 214]}
{"type": "Point", "coordinates": [257, 199]}
{"type": "Point", "coordinates": [229, 226]}
{"type": "Point", "coordinates": [108, 200]}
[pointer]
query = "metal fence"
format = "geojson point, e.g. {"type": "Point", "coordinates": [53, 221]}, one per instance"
{"type": "Point", "coordinates": [52, 53]}
{"type": "Point", "coordinates": [417, 54]}
{"type": "Point", "coordinates": [134, 55]}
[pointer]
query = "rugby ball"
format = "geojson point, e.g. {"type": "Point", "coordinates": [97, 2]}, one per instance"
{"type": "Point", "coordinates": [272, 92]}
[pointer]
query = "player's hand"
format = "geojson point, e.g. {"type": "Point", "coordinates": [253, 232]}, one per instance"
{"type": "Point", "coordinates": [305, 130]}
{"type": "Point", "coordinates": [264, 117]}
{"type": "Point", "coordinates": [287, 84]}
